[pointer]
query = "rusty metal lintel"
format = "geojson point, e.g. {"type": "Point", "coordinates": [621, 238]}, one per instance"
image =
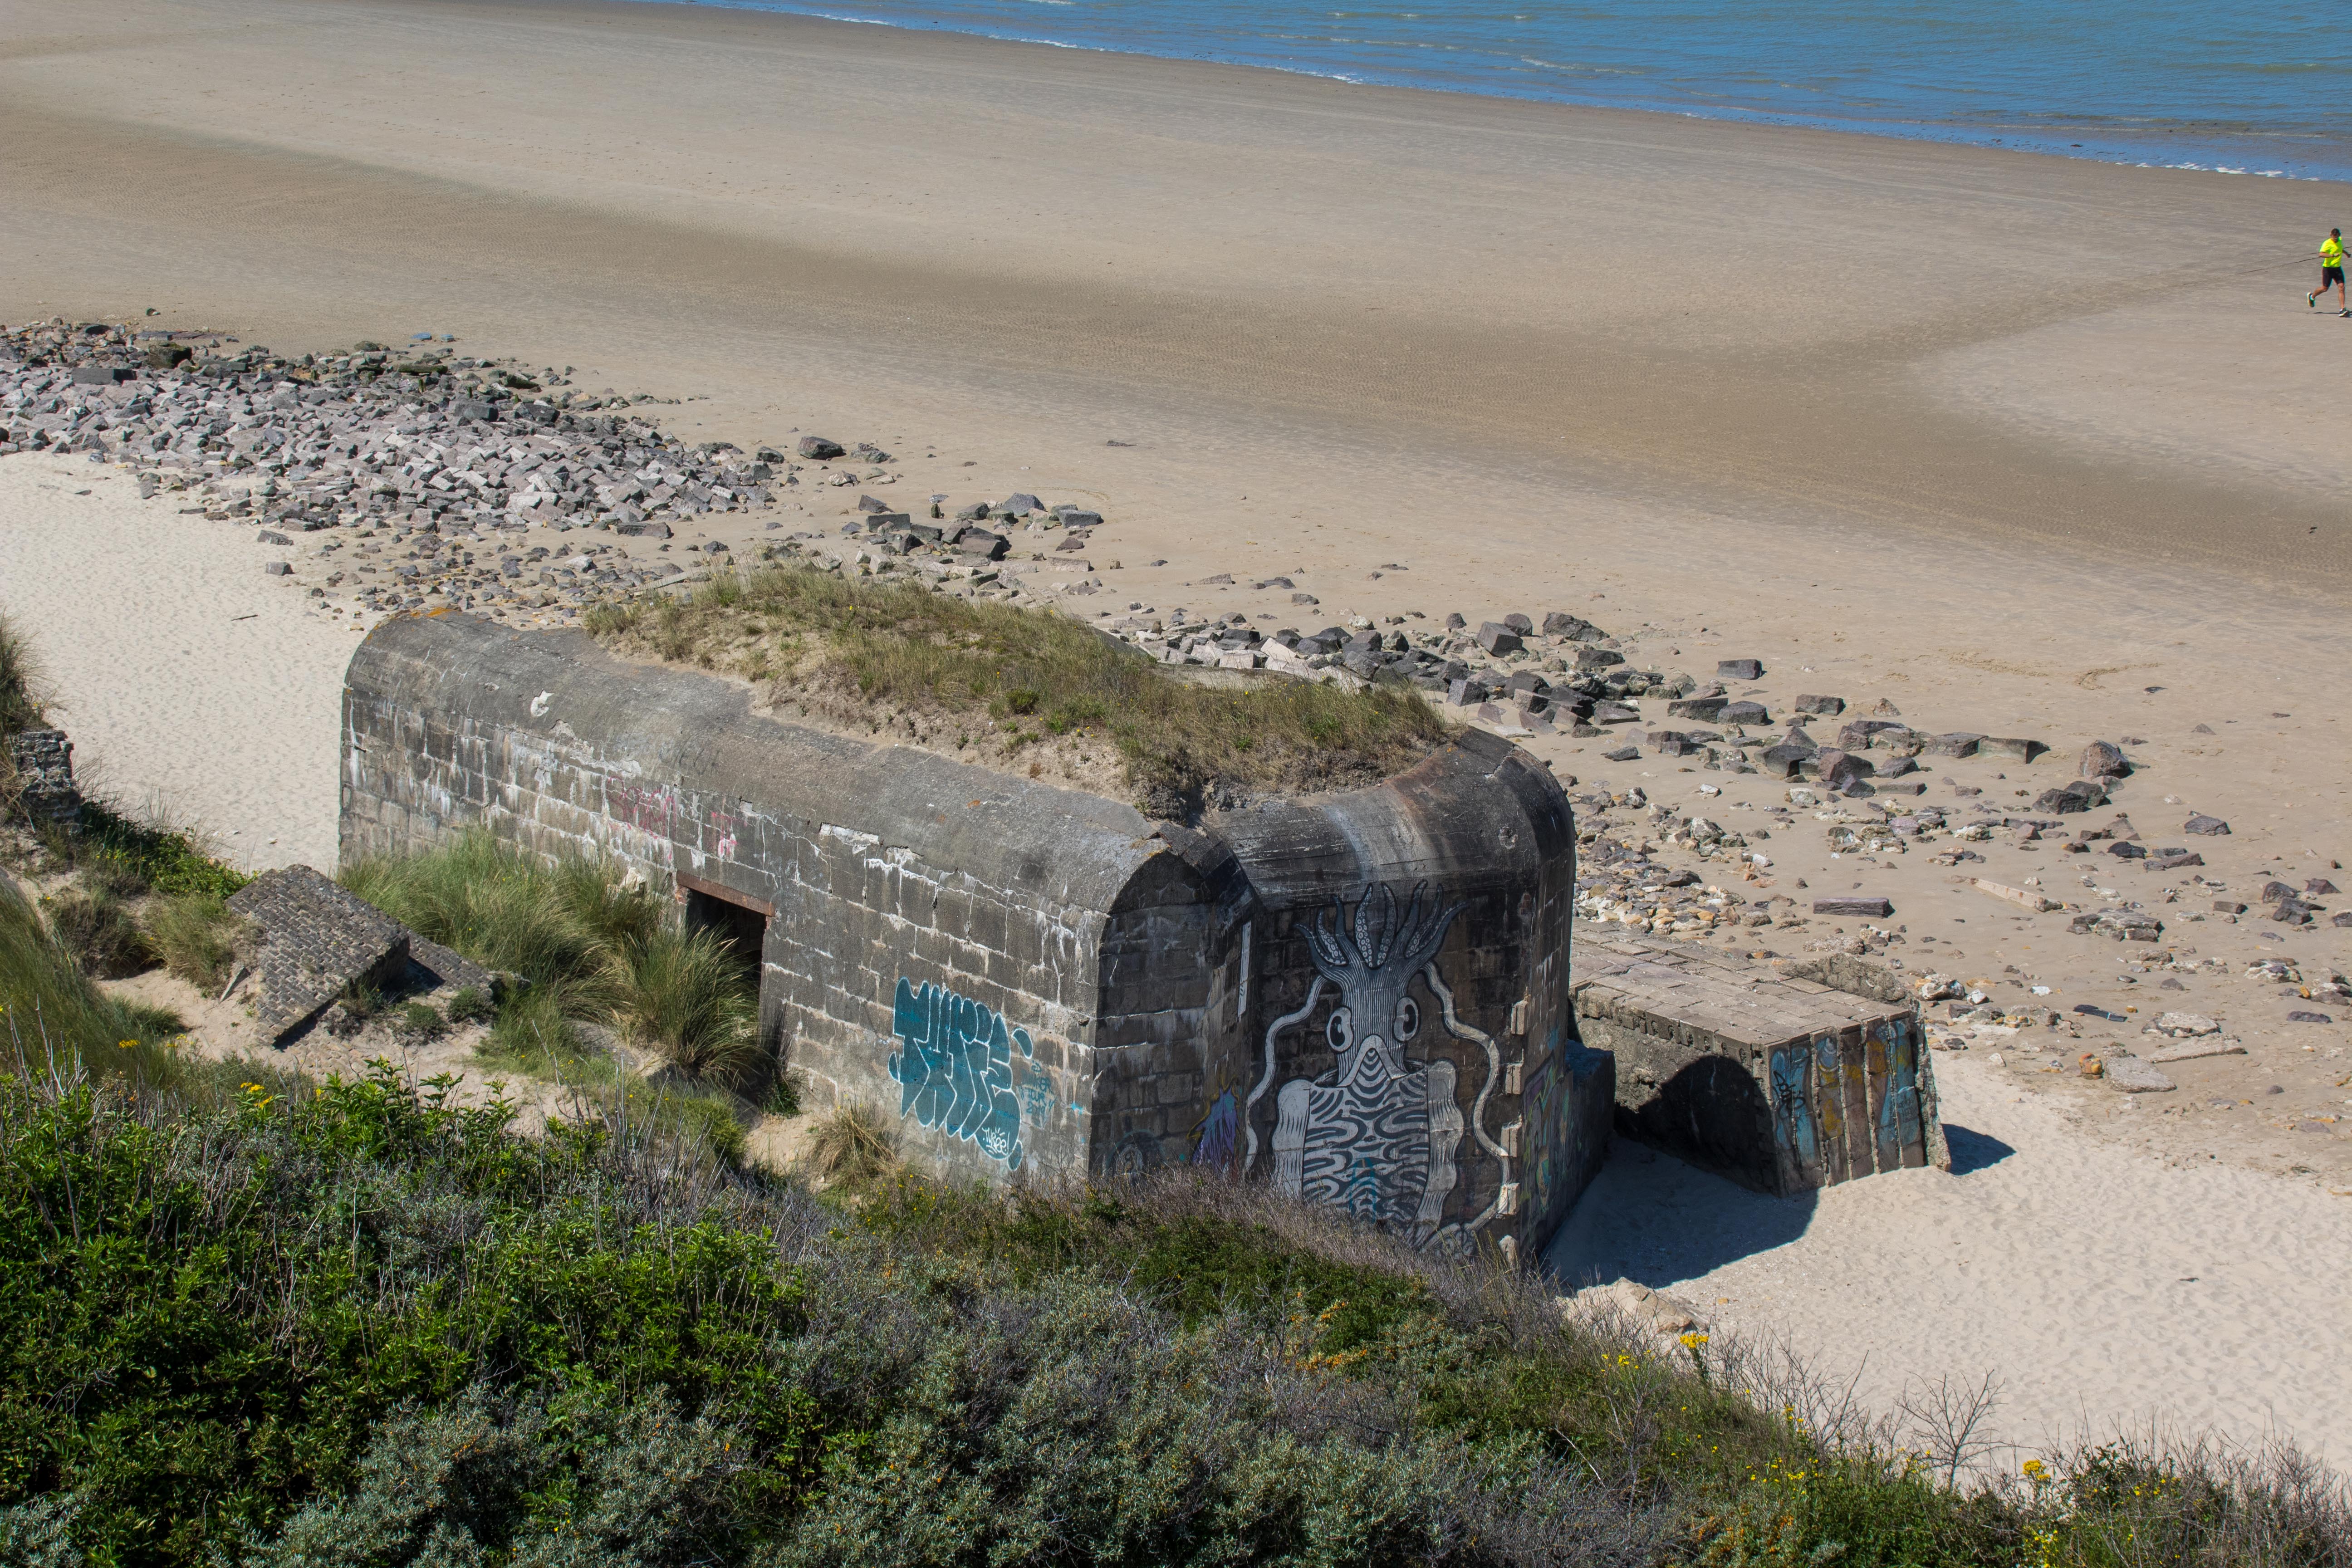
{"type": "Point", "coordinates": [726, 894]}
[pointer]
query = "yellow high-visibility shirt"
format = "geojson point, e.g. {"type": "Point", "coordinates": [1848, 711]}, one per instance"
{"type": "Point", "coordinates": [2331, 252]}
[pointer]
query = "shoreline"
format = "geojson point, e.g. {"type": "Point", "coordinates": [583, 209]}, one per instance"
{"type": "Point", "coordinates": [2046, 144]}
{"type": "Point", "coordinates": [1451, 313]}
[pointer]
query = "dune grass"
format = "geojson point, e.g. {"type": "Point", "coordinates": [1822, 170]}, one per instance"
{"type": "Point", "coordinates": [197, 936]}
{"type": "Point", "coordinates": [850, 1146]}
{"type": "Point", "coordinates": [1003, 676]}
{"type": "Point", "coordinates": [588, 949]}
{"type": "Point", "coordinates": [51, 1016]}
{"type": "Point", "coordinates": [20, 684]}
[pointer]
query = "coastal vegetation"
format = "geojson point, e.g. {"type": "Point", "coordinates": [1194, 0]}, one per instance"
{"type": "Point", "coordinates": [247, 1318]}
{"type": "Point", "coordinates": [359, 1323]}
{"type": "Point", "coordinates": [50, 1008]}
{"type": "Point", "coordinates": [986, 680]}
{"type": "Point", "coordinates": [20, 704]}
{"type": "Point", "coordinates": [586, 948]}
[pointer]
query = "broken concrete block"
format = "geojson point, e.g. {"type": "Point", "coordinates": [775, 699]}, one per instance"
{"type": "Point", "coordinates": [2024, 897]}
{"type": "Point", "coordinates": [317, 941]}
{"type": "Point", "coordinates": [1865, 909]}
{"type": "Point", "coordinates": [2129, 1074]}
{"type": "Point", "coordinates": [1782, 1083]}
{"type": "Point", "coordinates": [2192, 1050]}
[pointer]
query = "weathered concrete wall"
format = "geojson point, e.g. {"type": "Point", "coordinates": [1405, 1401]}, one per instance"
{"type": "Point", "coordinates": [1779, 1081]}
{"type": "Point", "coordinates": [1361, 997]}
{"type": "Point", "coordinates": [39, 777]}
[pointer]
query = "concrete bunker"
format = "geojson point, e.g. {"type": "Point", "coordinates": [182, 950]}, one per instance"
{"type": "Point", "coordinates": [1360, 996]}
{"type": "Point", "coordinates": [1784, 1080]}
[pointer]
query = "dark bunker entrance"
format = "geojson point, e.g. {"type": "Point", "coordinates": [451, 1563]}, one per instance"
{"type": "Point", "coordinates": [739, 921]}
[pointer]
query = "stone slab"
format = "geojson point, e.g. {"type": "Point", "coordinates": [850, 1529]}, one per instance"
{"type": "Point", "coordinates": [317, 940]}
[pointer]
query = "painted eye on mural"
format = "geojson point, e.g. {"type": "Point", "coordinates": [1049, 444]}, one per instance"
{"type": "Point", "coordinates": [1341, 1030]}
{"type": "Point", "coordinates": [1408, 1018]}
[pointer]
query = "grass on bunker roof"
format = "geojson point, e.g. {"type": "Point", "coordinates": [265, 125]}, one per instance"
{"type": "Point", "coordinates": [1030, 675]}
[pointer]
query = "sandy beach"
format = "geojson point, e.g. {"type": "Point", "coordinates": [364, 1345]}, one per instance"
{"type": "Point", "coordinates": [2014, 443]}
{"type": "Point", "coordinates": [191, 688]}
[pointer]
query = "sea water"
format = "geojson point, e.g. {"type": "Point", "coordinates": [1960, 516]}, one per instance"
{"type": "Point", "coordinates": [2200, 84]}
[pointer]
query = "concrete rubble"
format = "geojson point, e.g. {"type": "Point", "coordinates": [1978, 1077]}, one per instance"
{"type": "Point", "coordinates": [319, 944]}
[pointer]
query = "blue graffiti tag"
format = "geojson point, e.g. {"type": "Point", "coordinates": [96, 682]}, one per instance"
{"type": "Point", "coordinates": [1793, 1119]}
{"type": "Point", "coordinates": [1898, 1117]}
{"type": "Point", "coordinates": [954, 1069]}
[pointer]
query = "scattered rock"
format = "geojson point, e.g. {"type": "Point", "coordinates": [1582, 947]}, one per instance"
{"type": "Point", "coordinates": [816, 448]}
{"type": "Point", "coordinates": [2102, 760]}
{"type": "Point", "coordinates": [1498, 639]}
{"type": "Point", "coordinates": [1861, 908]}
{"type": "Point", "coordinates": [2133, 1076]}
{"type": "Point", "coordinates": [1739, 669]}
{"type": "Point", "coordinates": [2118, 925]}
{"type": "Point", "coordinates": [2205, 826]}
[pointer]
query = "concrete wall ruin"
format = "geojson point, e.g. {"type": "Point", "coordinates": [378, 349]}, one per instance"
{"type": "Point", "coordinates": [1783, 1080]}
{"type": "Point", "coordinates": [1363, 997]}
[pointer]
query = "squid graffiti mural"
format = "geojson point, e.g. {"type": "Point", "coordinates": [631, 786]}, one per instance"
{"type": "Point", "coordinates": [1377, 1134]}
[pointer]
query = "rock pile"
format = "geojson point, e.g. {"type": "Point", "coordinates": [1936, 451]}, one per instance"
{"type": "Point", "coordinates": [427, 455]}
{"type": "Point", "coordinates": [1513, 672]}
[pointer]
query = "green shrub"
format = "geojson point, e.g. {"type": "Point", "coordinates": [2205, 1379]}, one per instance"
{"type": "Point", "coordinates": [533, 1033]}
{"type": "Point", "coordinates": [197, 937]}
{"type": "Point", "coordinates": [360, 1324]}
{"type": "Point", "coordinates": [422, 1021]}
{"type": "Point", "coordinates": [471, 1004]}
{"type": "Point", "coordinates": [712, 1118]}
{"type": "Point", "coordinates": [163, 858]}
{"type": "Point", "coordinates": [100, 935]}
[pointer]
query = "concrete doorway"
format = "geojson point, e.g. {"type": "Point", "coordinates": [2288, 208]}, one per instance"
{"type": "Point", "coordinates": [737, 919]}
